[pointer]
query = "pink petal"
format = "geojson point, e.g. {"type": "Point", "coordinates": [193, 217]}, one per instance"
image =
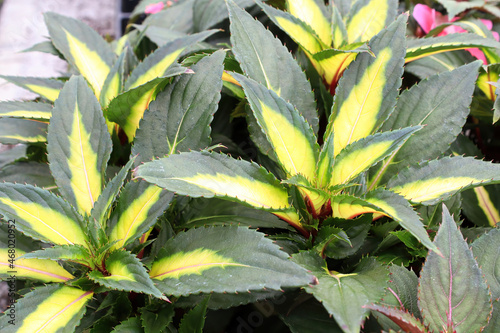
{"type": "Point", "coordinates": [425, 17]}
{"type": "Point", "coordinates": [487, 23]}
{"type": "Point", "coordinates": [478, 54]}
{"type": "Point", "coordinates": [154, 8]}
{"type": "Point", "coordinates": [495, 34]}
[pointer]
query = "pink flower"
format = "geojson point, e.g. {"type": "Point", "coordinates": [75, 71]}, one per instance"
{"type": "Point", "coordinates": [429, 19]}
{"type": "Point", "coordinates": [154, 8]}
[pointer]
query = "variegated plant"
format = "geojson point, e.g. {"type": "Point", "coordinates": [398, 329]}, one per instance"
{"type": "Point", "coordinates": [342, 179]}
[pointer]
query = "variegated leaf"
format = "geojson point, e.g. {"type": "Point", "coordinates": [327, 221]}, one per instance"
{"type": "Point", "coordinates": [423, 47]}
{"type": "Point", "coordinates": [30, 110]}
{"type": "Point", "coordinates": [179, 119]}
{"type": "Point", "coordinates": [440, 108]}
{"type": "Point", "coordinates": [202, 174]}
{"type": "Point", "coordinates": [157, 64]}
{"type": "Point", "coordinates": [403, 319]}
{"type": "Point", "coordinates": [44, 270]}
{"type": "Point", "coordinates": [366, 18]}
{"type": "Point", "coordinates": [100, 211]}
{"type": "Point", "coordinates": [79, 145]}
{"type": "Point", "coordinates": [41, 214]}
{"type": "Point", "coordinates": [82, 47]}
{"type": "Point", "coordinates": [315, 14]}
{"type": "Point", "coordinates": [137, 209]}
{"type": "Point", "coordinates": [298, 30]}
{"type": "Point", "coordinates": [332, 63]}
{"type": "Point", "coordinates": [326, 160]}
{"type": "Point", "coordinates": [76, 253]}
{"type": "Point", "coordinates": [275, 72]}
{"type": "Point", "coordinates": [286, 130]}
{"type": "Point", "coordinates": [113, 85]}
{"type": "Point", "coordinates": [360, 155]}
{"type": "Point", "coordinates": [367, 92]}
{"type": "Point", "coordinates": [486, 76]}
{"type": "Point", "coordinates": [125, 272]}
{"type": "Point", "coordinates": [128, 108]}
{"type": "Point", "coordinates": [339, 30]}
{"type": "Point", "coordinates": [47, 88]}
{"type": "Point", "coordinates": [431, 182]}
{"type": "Point", "coordinates": [386, 203]}
{"type": "Point", "coordinates": [49, 309]}
{"type": "Point", "coordinates": [13, 131]}
{"type": "Point", "coordinates": [216, 260]}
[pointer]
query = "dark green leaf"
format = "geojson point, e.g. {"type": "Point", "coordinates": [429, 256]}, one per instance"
{"type": "Point", "coordinates": [194, 320]}
{"type": "Point", "coordinates": [452, 291]}
{"type": "Point", "coordinates": [486, 251]}
{"type": "Point", "coordinates": [224, 259]}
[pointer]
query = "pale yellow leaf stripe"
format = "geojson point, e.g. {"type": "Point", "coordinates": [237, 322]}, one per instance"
{"type": "Point", "coordinates": [368, 21]}
{"type": "Point", "coordinates": [309, 12]}
{"type": "Point", "coordinates": [49, 93]}
{"type": "Point", "coordinates": [86, 180]}
{"type": "Point", "coordinates": [134, 215]}
{"type": "Point", "coordinates": [39, 218]}
{"type": "Point", "coordinates": [88, 62]}
{"type": "Point", "coordinates": [426, 190]}
{"type": "Point", "coordinates": [45, 270]}
{"type": "Point", "coordinates": [56, 311]}
{"type": "Point", "coordinates": [250, 191]}
{"type": "Point", "coordinates": [487, 206]}
{"type": "Point", "coordinates": [357, 116]}
{"type": "Point", "coordinates": [300, 35]}
{"type": "Point", "coordinates": [291, 146]}
{"type": "Point", "coordinates": [347, 168]}
{"type": "Point", "coordinates": [193, 262]}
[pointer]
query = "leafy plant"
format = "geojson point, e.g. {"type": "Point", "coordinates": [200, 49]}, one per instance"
{"type": "Point", "coordinates": [269, 189]}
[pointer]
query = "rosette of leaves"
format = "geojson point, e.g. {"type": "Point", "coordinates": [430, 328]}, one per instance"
{"type": "Point", "coordinates": [373, 157]}
{"type": "Point", "coordinates": [99, 231]}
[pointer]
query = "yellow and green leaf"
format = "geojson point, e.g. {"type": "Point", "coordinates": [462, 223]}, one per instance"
{"type": "Point", "coordinates": [202, 174]}
{"type": "Point", "coordinates": [360, 155]}
{"type": "Point", "coordinates": [423, 47]}
{"type": "Point", "coordinates": [44, 270]}
{"type": "Point", "coordinates": [41, 214]}
{"type": "Point", "coordinates": [138, 207]}
{"type": "Point", "coordinates": [29, 110]}
{"type": "Point", "coordinates": [157, 64]}
{"type": "Point", "coordinates": [291, 137]}
{"type": "Point", "coordinates": [124, 271]}
{"type": "Point", "coordinates": [386, 203]}
{"type": "Point", "coordinates": [82, 47]}
{"type": "Point", "coordinates": [339, 30]}
{"type": "Point", "coordinates": [332, 63]}
{"type": "Point", "coordinates": [113, 85]}
{"type": "Point", "coordinates": [298, 30]}
{"type": "Point", "coordinates": [437, 180]}
{"type": "Point", "coordinates": [186, 107]}
{"type": "Point", "coordinates": [216, 259]}
{"type": "Point", "coordinates": [47, 88]}
{"type": "Point", "coordinates": [274, 72]}
{"type": "Point", "coordinates": [326, 161]}
{"type": "Point", "coordinates": [141, 87]}
{"type": "Point", "coordinates": [313, 13]}
{"type": "Point", "coordinates": [13, 131]}
{"type": "Point", "coordinates": [367, 92]}
{"type": "Point", "coordinates": [366, 18]}
{"type": "Point", "coordinates": [315, 198]}
{"type": "Point", "coordinates": [49, 309]}
{"type": "Point", "coordinates": [490, 74]}
{"type": "Point", "coordinates": [79, 145]}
